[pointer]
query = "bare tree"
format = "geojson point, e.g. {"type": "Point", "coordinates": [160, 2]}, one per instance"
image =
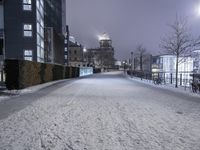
{"type": "Point", "coordinates": [140, 56]}
{"type": "Point", "coordinates": [178, 43]}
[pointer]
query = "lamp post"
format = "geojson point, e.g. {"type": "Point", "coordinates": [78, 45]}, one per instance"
{"type": "Point", "coordinates": [131, 64]}
{"type": "Point", "coordinates": [124, 66]}
{"type": "Point", "coordinates": [84, 52]}
{"type": "Point", "coordinates": [198, 10]}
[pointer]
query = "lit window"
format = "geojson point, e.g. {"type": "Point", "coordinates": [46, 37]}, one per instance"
{"type": "Point", "coordinates": [65, 56]}
{"type": "Point", "coordinates": [27, 27]}
{"type": "Point", "coordinates": [28, 55]}
{"type": "Point", "coordinates": [27, 30]}
{"type": "Point", "coordinates": [65, 49]}
{"type": "Point", "coordinates": [27, 2]}
{"type": "Point", "coordinates": [27, 5]}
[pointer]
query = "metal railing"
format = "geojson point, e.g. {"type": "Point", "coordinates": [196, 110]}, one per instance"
{"type": "Point", "coordinates": [185, 79]}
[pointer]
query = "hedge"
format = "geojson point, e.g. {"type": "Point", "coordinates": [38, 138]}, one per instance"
{"type": "Point", "coordinates": [21, 74]}
{"type": "Point", "coordinates": [97, 70]}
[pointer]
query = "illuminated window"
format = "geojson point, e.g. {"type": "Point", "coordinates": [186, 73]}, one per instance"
{"type": "Point", "coordinates": [28, 55]}
{"type": "Point", "coordinates": [27, 5]}
{"type": "Point", "coordinates": [27, 30]}
{"type": "Point", "coordinates": [40, 30]}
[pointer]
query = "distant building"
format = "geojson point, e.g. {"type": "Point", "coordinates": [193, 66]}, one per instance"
{"type": "Point", "coordinates": [168, 64]}
{"type": "Point", "coordinates": [102, 57]}
{"type": "Point", "coordinates": [75, 53]}
{"type": "Point", "coordinates": [143, 64]}
{"type": "Point", "coordinates": [165, 65]}
{"type": "Point", "coordinates": [23, 25]}
{"type": "Point", "coordinates": [196, 56]}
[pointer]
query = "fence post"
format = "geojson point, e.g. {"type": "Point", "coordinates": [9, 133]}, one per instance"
{"type": "Point", "coordinates": [171, 81]}
{"type": "Point", "coordinates": [164, 78]}
{"type": "Point", "coordinates": [193, 77]}
{"type": "Point", "coordinates": [180, 79]}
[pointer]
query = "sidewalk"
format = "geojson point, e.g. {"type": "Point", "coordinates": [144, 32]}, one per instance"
{"type": "Point", "coordinates": [170, 87]}
{"type": "Point", "coordinates": [6, 94]}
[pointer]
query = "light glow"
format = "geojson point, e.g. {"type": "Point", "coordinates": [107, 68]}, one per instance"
{"type": "Point", "coordinates": [198, 10]}
{"type": "Point", "coordinates": [84, 49]}
{"type": "Point", "coordinates": [104, 36]}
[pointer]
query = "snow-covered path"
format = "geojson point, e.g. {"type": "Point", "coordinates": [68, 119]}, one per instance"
{"type": "Point", "coordinates": [105, 112]}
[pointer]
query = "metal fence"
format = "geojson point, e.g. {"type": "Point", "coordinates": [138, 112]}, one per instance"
{"type": "Point", "coordinates": [184, 78]}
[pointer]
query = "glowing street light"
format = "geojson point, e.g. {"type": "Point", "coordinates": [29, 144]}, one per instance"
{"type": "Point", "coordinates": [198, 10]}
{"type": "Point", "coordinates": [84, 50]}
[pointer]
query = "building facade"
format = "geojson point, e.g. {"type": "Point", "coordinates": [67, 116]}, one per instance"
{"type": "Point", "coordinates": [1, 28]}
{"type": "Point", "coordinates": [196, 56]}
{"type": "Point", "coordinates": [24, 31]}
{"type": "Point", "coordinates": [143, 64]}
{"type": "Point", "coordinates": [165, 65]}
{"type": "Point", "coordinates": [102, 57]}
{"type": "Point", "coordinates": [76, 54]}
{"type": "Point", "coordinates": [66, 46]}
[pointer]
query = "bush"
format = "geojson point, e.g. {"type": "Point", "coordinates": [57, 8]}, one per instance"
{"type": "Point", "coordinates": [97, 70]}
{"type": "Point", "coordinates": [12, 74]}
{"type": "Point", "coordinates": [21, 74]}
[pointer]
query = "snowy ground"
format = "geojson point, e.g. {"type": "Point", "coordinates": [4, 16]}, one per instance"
{"type": "Point", "coordinates": [103, 112]}
{"type": "Point", "coordinates": [6, 94]}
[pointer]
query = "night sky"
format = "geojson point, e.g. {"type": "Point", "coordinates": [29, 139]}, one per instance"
{"type": "Point", "coordinates": [128, 22]}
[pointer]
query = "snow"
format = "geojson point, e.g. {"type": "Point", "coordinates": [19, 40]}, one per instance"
{"type": "Point", "coordinates": [104, 112]}
{"type": "Point", "coordinates": [7, 94]}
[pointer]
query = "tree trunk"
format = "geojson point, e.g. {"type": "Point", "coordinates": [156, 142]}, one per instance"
{"type": "Point", "coordinates": [177, 57]}
{"type": "Point", "coordinates": [141, 65]}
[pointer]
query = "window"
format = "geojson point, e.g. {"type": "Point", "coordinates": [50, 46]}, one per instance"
{"type": "Point", "coordinates": [65, 49]}
{"type": "Point", "coordinates": [40, 30]}
{"type": "Point", "coordinates": [28, 55]}
{"type": "Point", "coordinates": [27, 30]}
{"type": "Point", "coordinates": [27, 5]}
{"type": "Point", "coordinates": [75, 52]}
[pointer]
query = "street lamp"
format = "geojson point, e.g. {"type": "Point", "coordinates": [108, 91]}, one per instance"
{"type": "Point", "coordinates": [84, 50]}
{"type": "Point", "coordinates": [84, 59]}
{"type": "Point", "coordinates": [198, 10]}
{"type": "Point", "coordinates": [131, 64]}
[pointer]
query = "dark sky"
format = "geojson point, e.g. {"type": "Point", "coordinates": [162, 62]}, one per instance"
{"type": "Point", "coordinates": [128, 22]}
